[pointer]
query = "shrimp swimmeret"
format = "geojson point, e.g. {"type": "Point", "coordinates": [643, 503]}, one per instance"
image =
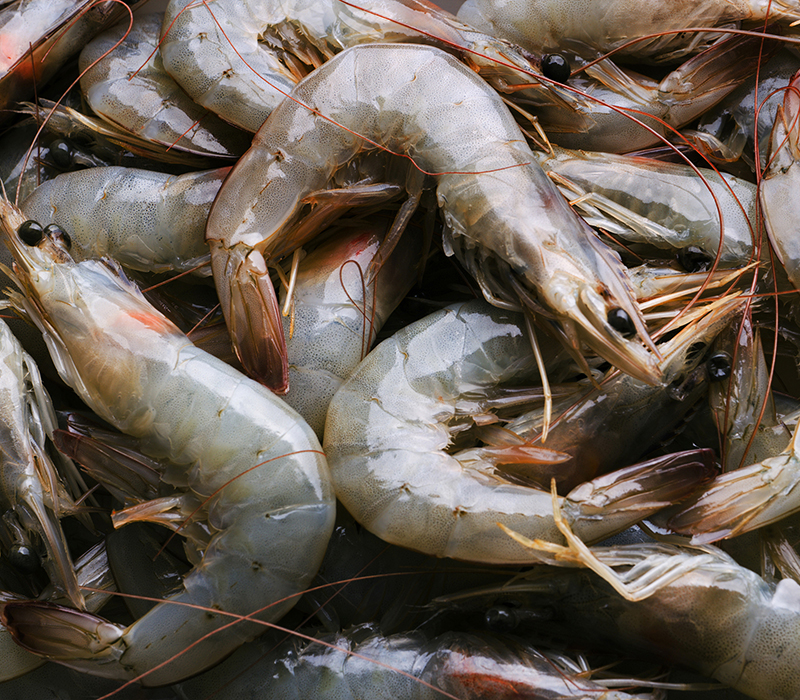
{"type": "Point", "coordinates": [251, 490]}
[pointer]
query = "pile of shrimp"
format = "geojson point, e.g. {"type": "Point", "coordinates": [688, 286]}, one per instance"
{"type": "Point", "coordinates": [360, 349]}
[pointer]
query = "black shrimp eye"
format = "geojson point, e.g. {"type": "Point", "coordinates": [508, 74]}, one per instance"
{"type": "Point", "coordinates": [31, 232]}
{"type": "Point", "coordinates": [500, 619]}
{"type": "Point", "coordinates": [718, 367]}
{"type": "Point", "coordinates": [24, 559]}
{"type": "Point", "coordinates": [694, 259]}
{"type": "Point", "coordinates": [56, 233]}
{"type": "Point", "coordinates": [555, 67]}
{"type": "Point", "coordinates": [619, 320]}
{"type": "Point", "coordinates": [61, 154]}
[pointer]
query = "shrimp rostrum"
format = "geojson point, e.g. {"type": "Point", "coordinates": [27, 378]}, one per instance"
{"type": "Point", "coordinates": [248, 485]}
{"type": "Point", "coordinates": [506, 221]}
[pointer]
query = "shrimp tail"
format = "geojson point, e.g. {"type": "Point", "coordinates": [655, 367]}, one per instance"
{"type": "Point", "coordinates": [252, 313]}
{"type": "Point", "coordinates": [744, 499]}
{"type": "Point", "coordinates": [639, 489]}
{"type": "Point", "coordinates": [76, 639]}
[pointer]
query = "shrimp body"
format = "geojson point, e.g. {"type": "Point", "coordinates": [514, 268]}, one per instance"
{"type": "Point", "coordinates": [664, 205]}
{"type": "Point", "coordinates": [390, 424]}
{"type": "Point", "coordinates": [130, 88]}
{"type": "Point", "coordinates": [249, 481]}
{"type": "Point", "coordinates": [336, 313]}
{"type": "Point", "coordinates": [239, 59]}
{"type": "Point", "coordinates": [698, 607]}
{"type": "Point", "coordinates": [143, 219]}
{"type": "Point", "coordinates": [216, 51]}
{"type": "Point", "coordinates": [598, 27]}
{"type": "Point", "coordinates": [778, 191]}
{"type": "Point", "coordinates": [31, 492]}
{"type": "Point", "coordinates": [500, 208]}
{"type": "Point", "coordinates": [362, 663]}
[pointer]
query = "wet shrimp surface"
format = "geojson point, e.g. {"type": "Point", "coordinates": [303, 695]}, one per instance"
{"type": "Point", "coordinates": [465, 361]}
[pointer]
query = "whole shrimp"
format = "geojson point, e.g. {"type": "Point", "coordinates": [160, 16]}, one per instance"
{"type": "Point", "coordinates": [239, 59]}
{"type": "Point", "coordinates": [506, 221]}
{"type": "Point", "coordinates": [599, 27]}
{"type": "Point", "coordinates": [143, 219]}
{"type": "Point", "coordinates": [130, 88]}
{"type": "Point", "coordinates": [696, 607]}
{"type": "Point", "coordinates": [389, 427]}
{"type": "Point", "coordinates": [249, 486]}
{"type": "Point", "coordinates": [410, 666]}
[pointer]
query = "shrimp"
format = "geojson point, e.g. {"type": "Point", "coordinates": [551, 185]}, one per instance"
{"type": "Point", "coordinates": [37, 37]}
{"type": "Point", "coordinates": [32, 496]}
{"type": "Point", "coordinates": [336, 313]}
{"type": "Point", "coordinates": [413, 666]}
{"type": "Point", "coordinates": [389, 425]}
{"type": "Point", "coordinates": [143, 219]}
{"type": "Point", "coordinates": [621, 100]}
{"type": "Point", "coordinates": [727, 132]}
{"type": "Point", "coordinates": [249, 486]}
{"type": "Point", "coordinates": [662, 205]}
{"type": "Point", "coordinates": [616, 422]}
{"type": "Point", "coordinates": [778, 189]}
{"type": "Point", "coordinates": [506, 222]}
{"type": "Point", "coordinates": [240, 59]}
{"type": "Point", "coordinates": [695, 607]}
{"type": "Point", "coordinates": [131, 89]}
{"type": "Point", "coordinates": [599, 27]}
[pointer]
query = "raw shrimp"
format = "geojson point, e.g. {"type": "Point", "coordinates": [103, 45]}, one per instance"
{"type": "Point", "coordinates": [744, 499]}
{"type": "Point", "coordinates": [618, 97]}
{"type": "Point", "coordinates": [336, 312]}
{"type": "Point", "coordinates": [599, 27]}
{"type": "Point", "coordinates": [52, 30]}
{"type": "Point", "coordinates": [506, 221]}
{"type": "Point", "coordinates": [145, 220]}
{"type": "Point", "coordinates": [662, 205]}
{"type": "Point", "coordinates": [615, 423]}
{"type": "Point", "coordinates": [726, 132]}
{"type": "Point", "coordinates": [362, 663]}
{"type": "Point", "coordinates": [696, 607]}
{"type": "Point", "coordinates": [249, 487]}
{"type": "Point", "coordinates": [239, 59]}
{"type": "Point", "coordinates": [131, 89]}
{"type": "Point", "coordinates": [779, 187]}
{"type": "Point", "coordinates": [389, 426]}
{"type": "Point", "coordinates": [32, 496]}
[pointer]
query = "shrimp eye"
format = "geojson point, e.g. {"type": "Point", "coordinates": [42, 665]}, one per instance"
{"type": "Point", "coordinates": [24, 559]}
{"type": "Point", "coordinates": [500, 619]}
{"type": "Point", "coordinates": [61, 154]}
{"type": "Point", "coordinates": [58, 234]}
{"type": "Point", "coordinates": [718, 367]}
{"type": "Point", "coordinates": [619, 320]}
{"type": "Point", "coordinates": [694, 259]}
{"type": "Point", "coordinates": [555, 67]}
{"type": "Point", "coordinates": [30, 232]}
